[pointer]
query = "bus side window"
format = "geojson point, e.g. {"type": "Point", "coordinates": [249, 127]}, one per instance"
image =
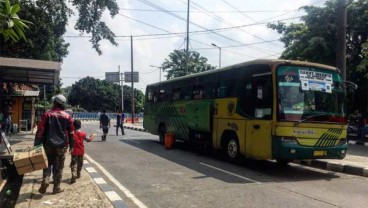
{"type": "Point", "coordinates": [155, 98]}
{"type": "Point", "coordinates": [198, 92]}
{"type": "Point", "coordinates": [162, 95]}
{"type": "Point", "coordinates": [226, 88]}
{"type": "Point", "coordinates": [150, 96]}
{"type": "Point", "coordinates": [262, 96]}
{"type": "Point", "coordinates": [176, 94]}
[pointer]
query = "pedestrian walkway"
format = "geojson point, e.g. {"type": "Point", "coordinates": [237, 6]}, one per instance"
{"type": "Point", "coordinates": [84, 193]}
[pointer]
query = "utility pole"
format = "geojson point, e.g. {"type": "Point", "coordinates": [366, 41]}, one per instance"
{"type": "Point", "coordinates": [341, 38]}
{"type": "Point", "coordinates": [219, 53]}
{"type": "Point", "coordinates": [187, 45]}
{"type": "Point", "coordinates": [121, 83]}
{"type": "Point", "coordinates": [131, 61]}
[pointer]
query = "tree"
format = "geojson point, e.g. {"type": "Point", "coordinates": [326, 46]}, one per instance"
{"type": "Point", "coordinates": [315, 40]}
{"type": "Point", "coordinates": [11, 26]}
{"type": "Point", "coordinates": [176, 66]}
{"type": "Point", "coordinates": [95, 94]}
{"type": "Point", "coordinates": [45, 41]}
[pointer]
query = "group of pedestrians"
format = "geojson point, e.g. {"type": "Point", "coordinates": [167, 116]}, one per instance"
{"type": "Point", "coordinates": [105, 124]}
{"type": "Point", "coordinates": [57, 132]}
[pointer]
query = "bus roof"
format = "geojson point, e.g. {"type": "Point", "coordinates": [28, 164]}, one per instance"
{"type": "Point", "coordinates": [257, 61]}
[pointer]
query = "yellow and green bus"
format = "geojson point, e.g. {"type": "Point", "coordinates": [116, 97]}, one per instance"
{"type": "Point", "coordinates": [262, 109]}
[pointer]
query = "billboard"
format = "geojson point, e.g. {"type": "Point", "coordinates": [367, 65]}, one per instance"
{"type": "Point", "coordinates": [128, 76]}
{"type": "Point", "coordinates": [112, 77]}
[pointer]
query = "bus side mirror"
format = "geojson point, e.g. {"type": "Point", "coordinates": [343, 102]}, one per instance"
{"type": "Point", "coordinates": [350, 85]}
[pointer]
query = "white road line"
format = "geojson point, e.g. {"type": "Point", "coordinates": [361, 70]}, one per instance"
{"type": "Point", "coordinates": [113, 196]}
{"type": "Point", "coordinates": [117, 183]}
{"type": "Point", "coordinates": [91, 170]}
{"type": "Point", "coordinates": [230, 173]}
{"type": "Point", "coordinates": [85, 162]}
{"type": "Point", "coordinates": [99, 180]}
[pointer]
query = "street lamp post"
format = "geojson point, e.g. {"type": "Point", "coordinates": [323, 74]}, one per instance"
{"type": "Point", "coordinates": [159, 68]}
{"type": "Point", "coordinates": [219, 54]}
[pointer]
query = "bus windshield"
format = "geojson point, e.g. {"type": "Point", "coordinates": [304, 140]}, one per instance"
{"type": "Point", "coordinates": [310, 94]}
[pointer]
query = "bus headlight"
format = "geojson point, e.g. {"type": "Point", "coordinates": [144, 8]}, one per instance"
{"type": "Point", "coordinates": [289, 140]}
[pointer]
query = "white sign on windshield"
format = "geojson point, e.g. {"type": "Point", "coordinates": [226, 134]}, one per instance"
{"type": "Point", "coordinates": [315, 76]}
{"type": "Point", "coordinates": [315, 81]}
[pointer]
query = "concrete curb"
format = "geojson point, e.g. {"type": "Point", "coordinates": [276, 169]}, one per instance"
{"type": "Point", "coordinates": [108, 191]}
{"type": "Point", "coordinates": [134, 128]}
{"type": "Point", "coordinates": [335, 167]}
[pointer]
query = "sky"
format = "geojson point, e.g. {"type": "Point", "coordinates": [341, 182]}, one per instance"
{"type": "Point", "coordinates": [158, 27]}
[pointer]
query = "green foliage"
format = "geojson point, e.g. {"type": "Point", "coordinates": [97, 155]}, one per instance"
{"type": "Point", "coordinates": [11, 26]}
{"type": "Point", "coordinates": [315, 40]}
{"type": "Point", "coordinates": [45, 39]}
{"type": "Point", "coordinates": [176, 66]}
{"type": "Point", "coordinates": [89, 20]}
{"type": "Point", "coordinates": [95, 95]}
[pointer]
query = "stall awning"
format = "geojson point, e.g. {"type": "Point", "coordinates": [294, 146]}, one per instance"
{"type": "Point", "coordinates": [29, 71]}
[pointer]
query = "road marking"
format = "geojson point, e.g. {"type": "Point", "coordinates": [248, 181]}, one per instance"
{"type": "Point", "coordinates": [99, 180]}
{"type": "Point", "coordinates": [117, 183]}
{"type": "Point", "coordinates": [91, 170]}
{"type": "Point", "coordinates": [113, 196]}
{"type": "Point", "coordinates": [230, 173]}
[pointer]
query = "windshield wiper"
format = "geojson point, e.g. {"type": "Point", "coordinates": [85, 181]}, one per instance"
{"type": "Point", "coordinates": [312, 116]}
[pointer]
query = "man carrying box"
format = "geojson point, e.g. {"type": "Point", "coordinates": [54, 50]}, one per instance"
{"type": "Point", "coordinates": [51, 132]}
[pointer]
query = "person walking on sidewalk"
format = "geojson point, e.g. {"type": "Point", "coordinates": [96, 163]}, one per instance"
{"type": "Point", "coordinates": [76, 163]}
{"type": "Point", "coordinates": [120, 123]}
{"type": "Point", "coordinates": [104, 124]}
{"type": "Point", "coordinates": [51, 133]}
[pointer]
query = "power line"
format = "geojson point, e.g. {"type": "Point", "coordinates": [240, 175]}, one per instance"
{"type": "Point", "coordinates": [240, 29]}
{"type": "Point", "coordinates": [197, 11]}
{"type": "Point", "coordinates": [174, 15]}
{"type": "Point", "coordinates": [192, 32]}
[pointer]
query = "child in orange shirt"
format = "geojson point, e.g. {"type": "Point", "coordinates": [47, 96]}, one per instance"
{"type": "Point", "coordinates": [76, 163]}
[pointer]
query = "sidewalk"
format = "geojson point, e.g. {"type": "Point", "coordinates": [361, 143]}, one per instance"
{"type": "Point", "coordinates": [355, 162]}
{"type": "Point", "coordinates": [84, 193]}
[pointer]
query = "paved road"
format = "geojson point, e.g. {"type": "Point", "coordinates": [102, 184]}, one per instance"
{"type": "Point", "coordinates": [150, 176]}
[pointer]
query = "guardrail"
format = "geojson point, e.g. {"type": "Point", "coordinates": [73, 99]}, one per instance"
{"type": "Point", "coordinates": [96, 116]}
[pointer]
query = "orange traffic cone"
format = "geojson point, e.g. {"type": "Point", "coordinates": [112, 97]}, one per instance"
{"type": "Point", "coordinates": [169, 140]}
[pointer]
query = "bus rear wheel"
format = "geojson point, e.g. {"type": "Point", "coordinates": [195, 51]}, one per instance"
{"type": "Point", "coordinates": [161, 133]}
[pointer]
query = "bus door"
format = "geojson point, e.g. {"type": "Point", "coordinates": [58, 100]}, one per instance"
{"type": "Point", "coordinates": [259, 127]}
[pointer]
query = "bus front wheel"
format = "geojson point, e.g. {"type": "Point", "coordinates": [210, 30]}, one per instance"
{"type": "Point", "coordinates": [232, 151]}
{"type": "Point", "coordinates": [283, 162]}
{"type": "Point", "coordinates": [161, 133]}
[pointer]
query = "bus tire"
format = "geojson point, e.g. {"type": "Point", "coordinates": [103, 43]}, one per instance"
{"type": "Point", "coordinates": [161, 133]}
{"type": "Point", "coordinates": [231, 148]}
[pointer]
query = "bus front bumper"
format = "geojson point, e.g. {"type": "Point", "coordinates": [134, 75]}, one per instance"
{"type": "Point", "coordinates": [291, 151]}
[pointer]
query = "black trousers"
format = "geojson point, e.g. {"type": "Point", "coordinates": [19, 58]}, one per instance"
{"type": "Point", "coordinates": [122, 129]}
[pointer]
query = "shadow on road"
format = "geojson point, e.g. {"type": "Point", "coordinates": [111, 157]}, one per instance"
{"type": "Point", "coordinates": [212, 164]}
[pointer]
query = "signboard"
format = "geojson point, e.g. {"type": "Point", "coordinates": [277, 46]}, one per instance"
{"type": "Point", "coordinates": [128, 76]}
{"type": "Point", "coordinates": [316, 81]}
{"type": "Point", "coordinates": [112, 76]}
